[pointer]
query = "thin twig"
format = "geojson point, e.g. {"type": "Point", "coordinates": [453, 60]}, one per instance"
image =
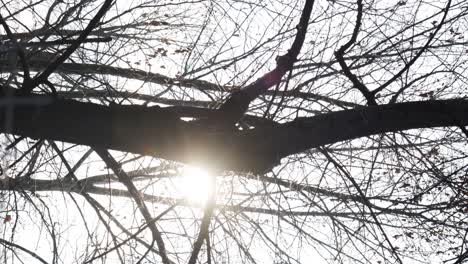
{"type": "Point", "coordinates": [421, 51]}
{"type": "Point", "coordinates": [365, 199]}
{"type": "Point", "coordinates": [126, 180]}
{"type": "Point", "coordinates": [65, 55]}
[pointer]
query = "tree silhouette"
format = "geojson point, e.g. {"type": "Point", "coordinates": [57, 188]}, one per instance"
{"type": "Point", "coordinates": [331, 130]}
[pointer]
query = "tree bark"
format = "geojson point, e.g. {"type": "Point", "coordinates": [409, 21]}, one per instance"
{"type": "Point", "coordinates": [160, 132]}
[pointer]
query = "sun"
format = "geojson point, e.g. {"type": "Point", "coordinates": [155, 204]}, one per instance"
{"type": "Point", "coordinates": [196, 184]}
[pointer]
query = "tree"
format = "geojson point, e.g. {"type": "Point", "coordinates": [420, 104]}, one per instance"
{"type": "Point", "coordinates": [331, 130]}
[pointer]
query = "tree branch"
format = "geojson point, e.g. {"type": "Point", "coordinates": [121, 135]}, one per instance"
{"type": "Point", "coordinates": [41, 78]}
{"type": "Point", "coordinates": [39, 61]}
{"type": "Point", "coordinates": [31, 253]}
{"type": "Point", "coordinates": [238, 103]}
{"type": "Point", "coordinates": [347, 72]}
{"type": "Point", "coordinates": [420, 52]}
{"type": "Point", "coordinates": [136, 195]}
{"type": "Point", "coordinates": [159, 132]}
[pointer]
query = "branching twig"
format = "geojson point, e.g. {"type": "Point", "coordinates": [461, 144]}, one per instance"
{"type": "Point", "coordinates": [19, 50]}
{"type": "Point", "coordinates": [57, 62]}
{"type": "Point", "coordinates": [347, 72]}
{"type": "Point", "coordinates": [125, 179]}
{"type": "Point", "coordinates": [10, 244]}
{"type": "Point", "coordinates": [366, 202]}
{"type": "Point", "coordinates": [237, 104]}
{"type": "Point", "coordinates": [421, 51]}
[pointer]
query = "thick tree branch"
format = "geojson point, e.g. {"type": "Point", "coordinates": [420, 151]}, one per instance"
{"type": "Point", "coordinates": [159, 132]}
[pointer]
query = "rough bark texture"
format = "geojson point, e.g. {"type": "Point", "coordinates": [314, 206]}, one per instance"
{"type": "Point", "coordinates": [159, 132]}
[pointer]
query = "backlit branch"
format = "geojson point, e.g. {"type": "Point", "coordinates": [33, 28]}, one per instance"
{"type": "Point", "coordinates": [347, 72]}
{"type": "Point", "coordinates": [126, 180]}
{"type": "Point", "coordinates": [160, 132]}
{"type": "Point", "coordinates": [237, 104]}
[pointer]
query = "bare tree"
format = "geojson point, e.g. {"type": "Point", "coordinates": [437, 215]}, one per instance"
{"type": "Point", "coordinates": [331, 131]}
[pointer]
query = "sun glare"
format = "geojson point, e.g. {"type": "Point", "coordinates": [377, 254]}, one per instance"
{"type": "Point", "coordinates": [196, 184]}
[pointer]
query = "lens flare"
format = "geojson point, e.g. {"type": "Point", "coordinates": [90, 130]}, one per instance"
{"type": "Point", "coordinates": [196, 184]}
